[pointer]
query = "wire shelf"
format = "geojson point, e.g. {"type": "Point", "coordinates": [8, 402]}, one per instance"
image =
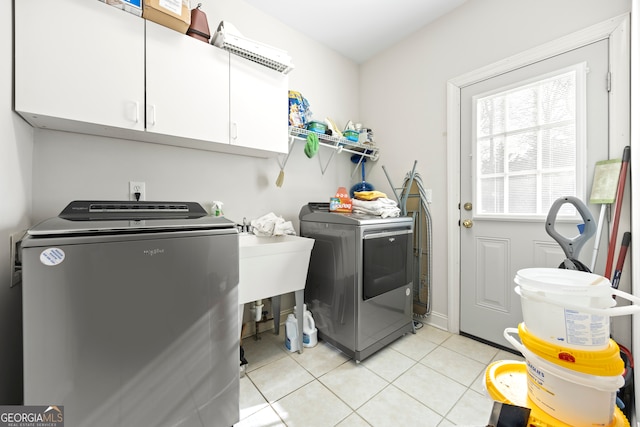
{"type": "Point", "coordinates": [338, 144]}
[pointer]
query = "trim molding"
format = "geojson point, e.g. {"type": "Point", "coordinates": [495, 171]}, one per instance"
{"type": "Point", "coordinates": [608, 29]}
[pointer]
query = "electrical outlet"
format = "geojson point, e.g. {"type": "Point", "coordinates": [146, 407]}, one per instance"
{"type": "Point", "coordinates": [135, 188]}
{"type": "Point", "coordinates": [428, 193]}
{"type": "Point", "coordinates": [15, 266]}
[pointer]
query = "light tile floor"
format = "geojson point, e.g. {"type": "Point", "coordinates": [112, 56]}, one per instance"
{"type": "Point", "coordinates": [431, 378]}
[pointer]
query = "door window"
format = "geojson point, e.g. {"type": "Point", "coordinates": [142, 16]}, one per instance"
{"type": "Point", "coordinates": [529, 145]}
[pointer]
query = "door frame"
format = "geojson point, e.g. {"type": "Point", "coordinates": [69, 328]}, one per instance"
{"type": "Point", "coordinates": [616, 29]}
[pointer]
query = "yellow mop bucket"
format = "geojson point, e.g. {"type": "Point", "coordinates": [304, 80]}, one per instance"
{"type": "Point", "coordinates": [606, 362]}
{"type": "Point", "coordinates": [506, 381]}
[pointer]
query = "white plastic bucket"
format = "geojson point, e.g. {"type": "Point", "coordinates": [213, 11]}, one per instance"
{"type": "Point", "coordinates": [570, 308]}
{"type": "Point", "coordinates": [572, 397]}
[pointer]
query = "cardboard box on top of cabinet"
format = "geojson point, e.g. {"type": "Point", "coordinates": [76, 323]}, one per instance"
{"type": "Point", "coordinates": [174, 14]}
{"type": "Point", "coordinates": [131, 6]}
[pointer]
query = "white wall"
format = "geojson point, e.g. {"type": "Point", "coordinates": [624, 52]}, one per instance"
{"type": "Point", "coordinates": [409, 116]}
{"type": "Point", "coordinates": [16, 145]}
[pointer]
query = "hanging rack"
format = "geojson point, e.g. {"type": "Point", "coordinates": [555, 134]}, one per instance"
{"type": "Point", "coordinates": [337, 145]}
{"type": "Point", "coordinates": [283, 163]}
{"type": "Point", "coordinates": [323, 169]}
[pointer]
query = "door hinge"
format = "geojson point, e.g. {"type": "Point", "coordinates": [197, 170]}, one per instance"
{"type": "Point", "coordinates": [609, 81]}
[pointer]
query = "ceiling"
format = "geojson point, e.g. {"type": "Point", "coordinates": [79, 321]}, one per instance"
{"type": "Point", "coordinates": [358, 29]}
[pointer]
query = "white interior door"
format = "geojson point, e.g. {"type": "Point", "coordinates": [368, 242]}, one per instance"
{"type": "Point", "coordinates": [529, 137]}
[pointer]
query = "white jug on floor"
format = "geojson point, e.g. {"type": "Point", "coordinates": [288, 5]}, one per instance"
{"type": "Point", "coordinates": [309, 330]}
{"type": "Point", "coordinates": [291, 332]}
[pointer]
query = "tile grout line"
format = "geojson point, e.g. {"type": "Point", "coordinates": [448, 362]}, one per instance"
{"type": "Point", "coordinates": [388, 383]}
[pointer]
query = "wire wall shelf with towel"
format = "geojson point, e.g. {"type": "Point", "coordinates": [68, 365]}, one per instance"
{"type": "Point", "coordinates": [337, 145]}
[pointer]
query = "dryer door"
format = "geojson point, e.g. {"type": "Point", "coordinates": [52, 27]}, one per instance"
{"type": "Point", "coordinates": [385, 261]}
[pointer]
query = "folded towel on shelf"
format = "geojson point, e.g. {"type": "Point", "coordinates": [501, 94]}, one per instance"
{"type": "Point", "coordinates": [271, 225]}
{"type": "Point", "coordinates": [384, 207]}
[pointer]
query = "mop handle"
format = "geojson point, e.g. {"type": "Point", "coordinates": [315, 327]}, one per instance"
{"type": "Point", "coordinates": [596, 244]}
{"type": "Point", "coordinates": [626, 155]}
{"type": "Point", "coordinates": [626, 240]}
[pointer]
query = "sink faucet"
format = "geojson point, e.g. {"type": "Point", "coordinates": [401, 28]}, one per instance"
{"type": "Point", "coordinates": [245, 227]}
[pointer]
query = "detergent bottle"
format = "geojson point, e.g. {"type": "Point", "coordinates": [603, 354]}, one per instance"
{"type": "Point", "coordinates": [291, 332]}
{"type": "Point", "coordinates": [216, 208]}
{"type": "Point", "coordinates": [309, 330]}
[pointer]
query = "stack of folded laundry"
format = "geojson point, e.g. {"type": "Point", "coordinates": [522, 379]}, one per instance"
{"type": "Point", "coordinates": [375, 203]}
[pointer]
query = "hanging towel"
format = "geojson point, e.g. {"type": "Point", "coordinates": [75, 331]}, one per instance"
{"type": "Point", "coordinates": [312, 145]}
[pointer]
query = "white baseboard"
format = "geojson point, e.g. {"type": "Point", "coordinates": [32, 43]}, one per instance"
{"type": "Point", "coordinates": [437, 320]}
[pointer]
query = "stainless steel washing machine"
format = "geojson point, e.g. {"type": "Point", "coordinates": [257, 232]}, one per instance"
{"type": "Point", "coordinates": [359, 283]}
{"type": "Point", "coordinates": [131, 315]}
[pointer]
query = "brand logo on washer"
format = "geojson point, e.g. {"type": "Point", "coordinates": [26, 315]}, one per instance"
{"type": "Point", "coordinates": [392, 239]}
{"type": "Point", "coordinates": [152, 252]}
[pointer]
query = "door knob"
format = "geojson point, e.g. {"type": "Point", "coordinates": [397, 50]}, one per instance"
{"type": "Point", "coordinates": [468, 206]}
{"type": "Point", "coordinates": [467, 223]}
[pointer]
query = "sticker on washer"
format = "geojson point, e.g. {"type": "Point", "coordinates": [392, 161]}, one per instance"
{"type": "Point", "coordinates": [52, 256]}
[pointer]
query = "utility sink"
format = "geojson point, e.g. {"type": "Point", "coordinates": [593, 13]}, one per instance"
{"type": "Point", "coordinates": [271, 266]}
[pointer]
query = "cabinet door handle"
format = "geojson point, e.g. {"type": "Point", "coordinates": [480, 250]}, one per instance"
{"type": "Point", "coordinates": [151, 120]}
{"type": "Point", "coordinates": [234, 130]}
{"type": "Point", "coordinates": [136, 115]}
{"type": "Point", "coordinates": [132, 111]}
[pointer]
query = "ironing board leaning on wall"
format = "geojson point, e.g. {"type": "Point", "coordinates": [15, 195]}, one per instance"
{"type": "Point", "coordinates": [413, 202]}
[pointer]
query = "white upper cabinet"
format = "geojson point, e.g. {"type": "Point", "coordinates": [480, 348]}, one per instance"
{"type": "Point", "coordinates": [259, 106]}
{"type": "Point", "coordinates": [187, 86]}
{"type": "Point", "coordinates": [84, 66]}
{"type": "Point", "coordinates": [79, 60]}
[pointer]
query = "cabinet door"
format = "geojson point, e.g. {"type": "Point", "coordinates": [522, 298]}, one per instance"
{"type": "Point", "coordinates": [79, 60]}
{"type": "Point", "coordinates": [259, 106]}
{"type": "Point", "coordinates": [187, 86]}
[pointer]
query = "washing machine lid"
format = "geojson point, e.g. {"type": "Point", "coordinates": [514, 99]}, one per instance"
{"type": "Point", "coordinates": [319, 212]}
{"type": "Point", "coordinates": [92, 217]}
